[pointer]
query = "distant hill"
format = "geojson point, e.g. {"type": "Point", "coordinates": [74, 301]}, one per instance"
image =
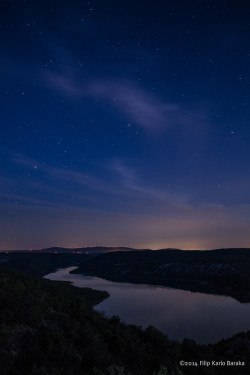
{"type": "Point", "coordinates": [86, 250]}
{"type": "Point", "coordinates": [111, 249]}
{"type": "Point", "coordinates": [221, 271]}
{"type": "Point", "coordinates": [80, 250]}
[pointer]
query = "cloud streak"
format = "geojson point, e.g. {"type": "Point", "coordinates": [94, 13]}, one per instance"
{"type": "Point", "coordinates": [131, 181]}
{"type": "Point", "coordinates": [138, 105]}
{"type": "Point", "coordinates": [134, 214]}
{"type": "Point", "coordinates": [122, 207]}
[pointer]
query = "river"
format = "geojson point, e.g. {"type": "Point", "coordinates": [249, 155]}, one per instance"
{"type": "Point", "coordinates": [202, 317]}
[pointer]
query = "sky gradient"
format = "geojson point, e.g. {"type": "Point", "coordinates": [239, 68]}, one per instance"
{"type": "Point", "coordinates": [125, 123]}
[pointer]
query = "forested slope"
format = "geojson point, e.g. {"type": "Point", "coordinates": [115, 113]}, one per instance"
{"type": "Point", "coordinates": [223, 271]}
{"type": "Point", "coordinates": [50, 328]}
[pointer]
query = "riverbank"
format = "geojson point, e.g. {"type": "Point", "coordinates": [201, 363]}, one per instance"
{"type": "Point", "coordinates": [50, 327]}
{"type": "Point", "coordinates": [222, 272]}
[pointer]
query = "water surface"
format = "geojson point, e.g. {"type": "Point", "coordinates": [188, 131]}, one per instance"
{"type": "Point", "coordinates": [204, 318]}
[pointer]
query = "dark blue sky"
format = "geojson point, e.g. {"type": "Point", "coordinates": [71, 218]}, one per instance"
{"type": "Point", "coordinates": [125, 123]}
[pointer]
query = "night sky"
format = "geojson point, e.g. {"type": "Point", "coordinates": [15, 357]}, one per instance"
{"type": "Point", "coordinates": [125, 123]}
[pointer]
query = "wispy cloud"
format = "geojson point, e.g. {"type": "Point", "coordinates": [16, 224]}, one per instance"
{"type": "Point", "coordinates": [22, 199]}
{"type": "Point", "coordinates": [137, 104]}
{"type": "Point", "coordinates": [66, 84]}
{"type": "Point", "coordinates": [53, 185]}
{"type": "Point", "coordinates": [23, 160]}
{"type": "Point", "coordinates": [136, 213]}
{"type": "Point", "coordinates": [144, 191]}
{"type": "Point", "coordinates": [126, 189]}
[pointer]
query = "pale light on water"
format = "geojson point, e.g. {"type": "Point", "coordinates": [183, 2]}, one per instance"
{"type": "Point", "coordinates": [178, 313]}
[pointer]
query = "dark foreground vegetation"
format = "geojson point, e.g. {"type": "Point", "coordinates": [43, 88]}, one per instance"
{"type": "Point", "coordinates": [50, 328]}
{"type": "Point", "coordinates": [223, 271]}
{"type": "Point", "coordinates": [40, 264]}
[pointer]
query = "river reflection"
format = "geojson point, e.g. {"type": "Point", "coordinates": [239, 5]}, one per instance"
{"type": "Point", "coordinates": [178, 313]}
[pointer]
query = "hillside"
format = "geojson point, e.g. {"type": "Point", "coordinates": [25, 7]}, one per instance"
{"type": "Point", "coordinates": [50, 328]}
{"type": "Point", "coordinates": [222, 271]}
{"type": "Point", "coordinates": [40, 264]}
